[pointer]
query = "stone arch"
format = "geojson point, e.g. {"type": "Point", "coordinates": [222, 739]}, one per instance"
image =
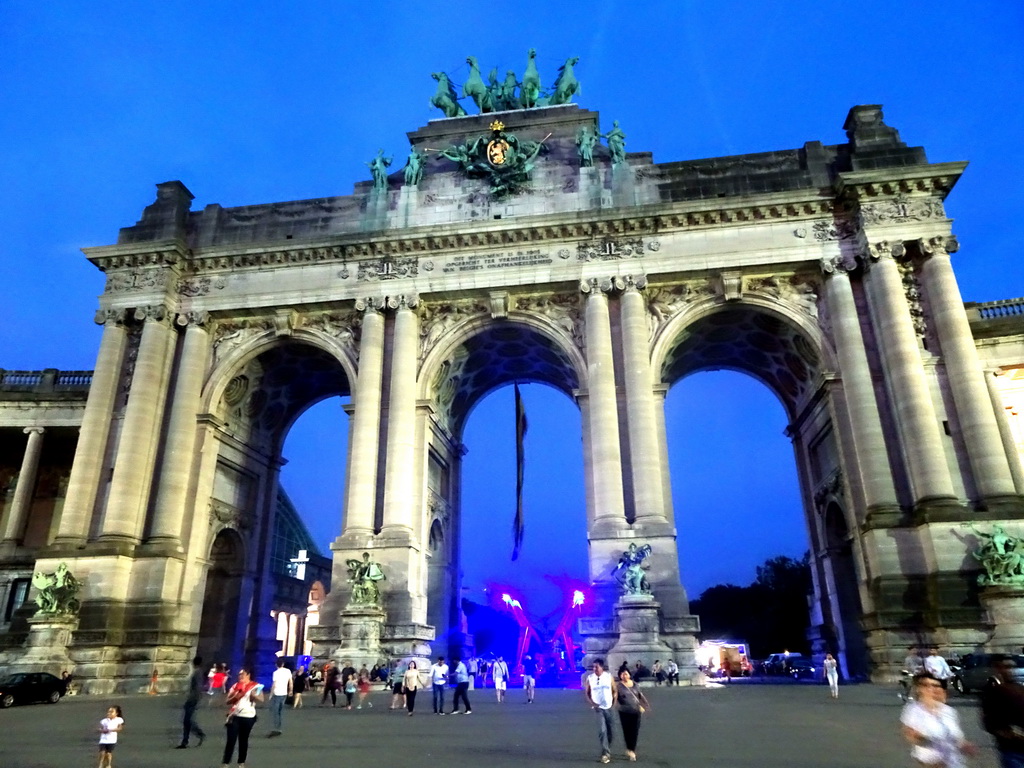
{"type": "Point", "coordinates": [235, 359]}
{"type": "Point", "coordinates": [810, 356]}
{"type": "Point", "coordinates": [524, 347]}
{"type": "Point", "coordinates": [221, 622]}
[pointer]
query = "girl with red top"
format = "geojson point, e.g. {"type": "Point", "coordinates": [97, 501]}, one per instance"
{"type": "Point", "coordinates": [241, 718]}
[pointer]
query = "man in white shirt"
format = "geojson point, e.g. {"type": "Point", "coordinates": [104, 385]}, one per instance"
{"type": "Point", "coordinates": [938, 667]}
{"type": "Point", "coordinates": [280, 690]}
{"type": "Point", "coordinates": [600, 692]}
{"type": "Point", "coordinates": [500, 673]}
{"type": "Point", "coordinates": [439, 680]}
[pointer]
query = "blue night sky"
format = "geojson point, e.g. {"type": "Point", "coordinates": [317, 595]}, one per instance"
{"type": "Point", "coordinates": [267, 101]}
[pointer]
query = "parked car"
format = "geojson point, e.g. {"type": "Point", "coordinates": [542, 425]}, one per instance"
{"type": "Point", "coordinates": [800, 667]}
{"type": "Point", "coordinates": [976, 668]}
{"type": "Point", "coordinates": [30, 687]}
{"type": "Point", "coordinates": [778, 663]}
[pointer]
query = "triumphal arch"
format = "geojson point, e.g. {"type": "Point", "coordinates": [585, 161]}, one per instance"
{"type": "Point", "coordinates": [515, 246]}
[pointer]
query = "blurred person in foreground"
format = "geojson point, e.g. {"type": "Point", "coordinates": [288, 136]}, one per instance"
{"type": "Point", "coordinates": [1002, 712]}
{"type": "Point", "coordinates": [932, 727]}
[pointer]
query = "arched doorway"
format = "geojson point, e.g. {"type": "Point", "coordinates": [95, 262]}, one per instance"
{"type": "Point", "coordinates": [219, 640]}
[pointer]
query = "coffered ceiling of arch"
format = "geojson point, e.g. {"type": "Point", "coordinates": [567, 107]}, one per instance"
{"type": "Point", "coordinates": [501, 354]}
{"type": "Point", "coordinates": [745, 339]}
{"type": "Point", "coordinates": [277, 385]}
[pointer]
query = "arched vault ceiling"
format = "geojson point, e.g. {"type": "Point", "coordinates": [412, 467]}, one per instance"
{"type": "Point", "coordinates": [500, 354]}
{"type": "Point", "coordinates": [744, 339]}
{"type": "Point", "coordinates": [277, 385]}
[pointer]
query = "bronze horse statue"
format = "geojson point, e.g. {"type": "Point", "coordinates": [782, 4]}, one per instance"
{"type": "Point", "coordinates": [445, 98]}
{"type": "Point", "coordinates": [475, 87]}
{"type": "Point", "coordinates": [566, 85]}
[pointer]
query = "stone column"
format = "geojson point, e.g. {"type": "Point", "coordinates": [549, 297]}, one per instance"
{"type": "Point", "coordinates": [399, 469]}
{"type": "Point", "coordinates": [604, 448]}
{"type": "Point", "coordinates": [644, 450]}
{"type": "Point", "coordinates": [22, 502]}
{"type": "Point", "coordinates": [977, 419]}
{"type": "Point", "coordinates": [361, 483]}
{"type": "Point", "coordinates": [904, 371]}
{"type": "Point", "coordinates": [140, 432]}
{"type": "Point", "coordinates": [1009, 443]}
{"type": "Point", "coordinates": [180, 450]}
{"type": "Point", "coordinates": [83, 485]}
{"type": "Point", "coordinates": [859, 390]}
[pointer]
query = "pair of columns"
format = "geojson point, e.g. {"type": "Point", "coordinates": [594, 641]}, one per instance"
{"type": "Point", "coordinates": [602, 411]}
{"type": "Point", "coordinates": [400, 448]}
{"type": "Point", "coordinates": [124, 517]}
{"type": "Point", "coordinates": [916, 418]}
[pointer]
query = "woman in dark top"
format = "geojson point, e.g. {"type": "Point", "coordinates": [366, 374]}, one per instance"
{"type": "Point", "coordinates": [632, 704]}
{"type": "Point", "coordinates": [299, 685]}
{"type": "Point", "coordinates": [332, 683]}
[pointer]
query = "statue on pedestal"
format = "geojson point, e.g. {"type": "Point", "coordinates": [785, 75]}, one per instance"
{"type": "Point", "coordinates": [379, 170]}
{"type": "Point", "coordinates": [1002, 557]}
{"type": "Point", "coordinates": [363, 575]}
{"type": "Point", "coordinates": [586, 139]}
{"type": "Point", "coordinates": [616, 144]}
{"type": "Point", "coordinates": [630, 572]}
{"type": "Point", "coordinates": [57, 592]}
{"type": "Point", "coordinates": [414, 168]}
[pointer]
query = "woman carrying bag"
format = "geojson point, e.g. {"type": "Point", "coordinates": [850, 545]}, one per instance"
{"type": "Point", "coordinates": [241, 717]}
{"type": "Point", "coordinates": [631, 704]}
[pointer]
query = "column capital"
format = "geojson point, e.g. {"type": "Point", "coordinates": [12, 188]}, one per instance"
{"type": "Point", "coordinates": [369, 304]}
{"type": "Point", "coordinates": [613, 284]}
{"type": "Point", "coordinates": [941, 245]}
{"type": "Point", "coordinates": [155, 312]}
{"type": "Point", "coordinates": [192, 319]}
{"type": "Point", "coordinates": [34, 430]}
{"type": "Point", "coordinates": [841, 264]}
{"type": "Point", "coordinates": [884, 249]}
{"type": "Point", "coordinates": [402, 301]}
{"type": "Point", "coordinates": [113, 316]}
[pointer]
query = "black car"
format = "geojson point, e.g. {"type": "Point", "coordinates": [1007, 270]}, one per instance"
{"type": "Point", "coordinates": [30, 687]}
{"type": "Point", "coordinates": [975, 669]}
{"type": "Point", "coordinates": [800, 667]}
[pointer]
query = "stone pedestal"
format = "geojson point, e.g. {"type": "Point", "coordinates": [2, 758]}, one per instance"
{"type": "Point", "coordinates": [640, 632]}
{"type": "Point", "coordinates": [46, 649]}
{"type": "Point", "coordinates": [361, 630]}
{"type": "Point", "coordinates": [1005, 608]}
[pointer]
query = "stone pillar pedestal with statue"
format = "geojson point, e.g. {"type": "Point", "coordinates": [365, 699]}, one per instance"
{"type": "Point", "coordinates": [46, 648]}
{"type": "Point", "coordinates": [639, 630]}
{"type": "Point", "coordinates": [1004, 604]}
{"type": "Point", "coordinates": [361, 630]}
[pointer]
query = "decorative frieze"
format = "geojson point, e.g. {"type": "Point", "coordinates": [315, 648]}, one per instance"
{"type": "Point", "coordinates": [387, 269]}
{"type": "Point", "coordinates": [228, 334]}
{"type": "Point", "coordinates": [226, 516]}
{"type": "Point", "coordinates": [902, 208]}
{"type": "Point", "coordinates": [826, 230]}
{"type": "Point", "coordinates": [611, 249]}
{"type": "Point", "coordinates": [200, 286]}
{"type": "Point", "coordinates": [664, 302]}
{"type": "Point", "coordinates": [796, 290]}
{"type": "Point", "coordinates": [137, 280]}
{"type": "Point", "coordinates": [343, 326]}
{"type": "Point", "coordinates": [562, 309]}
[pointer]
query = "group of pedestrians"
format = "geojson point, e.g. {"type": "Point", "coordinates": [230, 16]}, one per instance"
{"type": "Point", "coordinates": [605, 695]}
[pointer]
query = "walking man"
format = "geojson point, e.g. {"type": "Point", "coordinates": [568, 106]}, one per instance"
{"type": "Point", "coordinates": [439, 679]}
{"type": "Point", "coordinates": [600, 692]}
{"type": "Point", "coordinates": [937, 667]}
{"type": "Point", "coordinates": [280, 690]}
{"type": "Point", "coordinates": [500, 674]}
{"type": "Point", "coordinates": [195, 690]}
{"type": "Point", "coordinates": [529, 677]}
{"type": "Point", "coordinates": [1002, 712]}
{"type": "Point", "coordinates": [461, 687]}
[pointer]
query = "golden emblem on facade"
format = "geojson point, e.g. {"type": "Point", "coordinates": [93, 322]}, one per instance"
{"type": "Point", "coordinates": [497, 151]}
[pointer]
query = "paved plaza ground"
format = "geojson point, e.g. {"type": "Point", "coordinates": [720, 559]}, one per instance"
{"type": "Point", "coordinates": [735, 726]}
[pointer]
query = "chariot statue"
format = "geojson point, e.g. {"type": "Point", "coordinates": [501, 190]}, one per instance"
{"type": "Point", "coordinates": [1002, 557]}
{"type": "Point", "coordinates": [57, 592]}
{"type": "Point", "coordinates": [363, 575]}
{"type": "Point", "coordinates": [630, 573]}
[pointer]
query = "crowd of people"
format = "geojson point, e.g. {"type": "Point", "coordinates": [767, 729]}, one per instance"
{"type": "Point", "coordinates": [931, 727]}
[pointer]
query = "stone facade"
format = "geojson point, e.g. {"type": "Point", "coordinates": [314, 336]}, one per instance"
{"type": "Point", "coordinates": [824, 271]}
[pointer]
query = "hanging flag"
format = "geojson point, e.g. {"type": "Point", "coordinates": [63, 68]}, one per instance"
{"type": "Point", "coordinates": [517, 525]}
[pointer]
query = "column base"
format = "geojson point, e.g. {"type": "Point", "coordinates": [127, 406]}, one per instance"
{"type": "Point", "coordinates": [46, 649]}
{"type": "Point", "coordinates": [394, 536]}
{"type": "Point", "coordinates": [1004, 605]}
{"type": "Point", "coordinates": [939, 509]}
{"type": "Point", "coordinates": [608, 527]}
{"type": "Point", "coordinates": [1009, 505]}
{"type": "Point", "coordinates": [885, 516]}
{"type": "Point", "coordinates": [354, 538]}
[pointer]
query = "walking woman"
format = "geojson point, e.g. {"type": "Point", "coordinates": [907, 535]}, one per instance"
{"type": "Point", "coordinates": [411, 684]}
{"type": "Point", "coordinates": [932, 727]}
{"type": "Point", "coordinates": [241, 718]}
{"type": "Point", "coordinates": [397, 689]}
{"type": "Point", "coordinates": [832, 675]}
{"type": "Point", "coordinates": [632, 704]}
{"type": "Point", "coordinates": [299, 685]}
{"type": "Point", "coordinates": [331, 684]}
